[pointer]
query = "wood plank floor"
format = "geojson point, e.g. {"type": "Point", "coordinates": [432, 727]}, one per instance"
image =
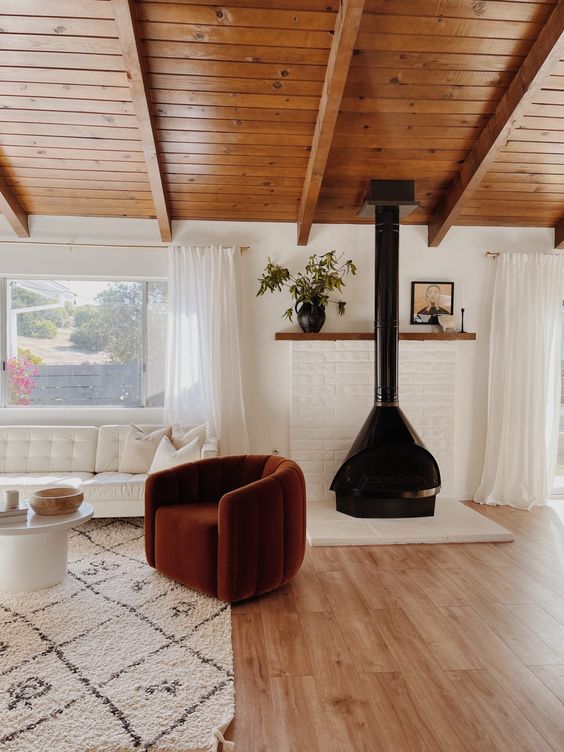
{"type": "Point", "coordinates": [437, 648]}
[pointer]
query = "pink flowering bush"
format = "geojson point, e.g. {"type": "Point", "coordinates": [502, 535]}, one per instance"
{"type": "Point", "coordinates": [21, 378]}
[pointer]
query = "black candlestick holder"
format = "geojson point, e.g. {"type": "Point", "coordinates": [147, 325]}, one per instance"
{"type": "Point", "coordinates": [462, 320]}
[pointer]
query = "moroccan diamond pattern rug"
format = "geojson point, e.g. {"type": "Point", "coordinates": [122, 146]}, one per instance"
{"type": "Point", "coordinates": [115, 658]}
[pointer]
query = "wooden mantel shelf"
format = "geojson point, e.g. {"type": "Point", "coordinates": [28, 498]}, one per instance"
{"type": "Point", "coordinates": [370, 335]}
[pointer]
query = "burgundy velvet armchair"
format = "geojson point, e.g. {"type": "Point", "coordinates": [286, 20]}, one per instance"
{"type": "Point", "coordinates": [231, 527]}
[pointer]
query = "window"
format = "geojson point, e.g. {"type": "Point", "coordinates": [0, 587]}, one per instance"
{"type": "Point", "coordinates": [84, 342]}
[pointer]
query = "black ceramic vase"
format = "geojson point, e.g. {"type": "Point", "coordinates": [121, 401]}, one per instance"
{"type": "Point", "coordinates": [311, 317]}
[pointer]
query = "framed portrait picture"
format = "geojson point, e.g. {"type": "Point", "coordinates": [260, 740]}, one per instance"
{"type": "Point", "coordinates": [429, 300]}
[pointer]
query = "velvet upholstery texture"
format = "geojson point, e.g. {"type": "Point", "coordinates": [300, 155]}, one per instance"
{"type": "Point", "coordinates": [232, 527]}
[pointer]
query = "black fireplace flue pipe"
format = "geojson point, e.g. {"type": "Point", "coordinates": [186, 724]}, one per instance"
{"type": "Point", "coordinates": [386, 315]}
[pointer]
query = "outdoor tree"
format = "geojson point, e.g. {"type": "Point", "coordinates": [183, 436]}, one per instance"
{"type": "Point", "coordinates": [120, 321]}
{"type": "Point", "coordinates": [38, 324]}
{"type": "Point", "coordinates": [86, 334]}
{"type": "Point", "coordinates": [115, 323]}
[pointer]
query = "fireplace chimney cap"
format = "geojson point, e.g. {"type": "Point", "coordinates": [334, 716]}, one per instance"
{"type": "Point", "coordinates": [389, 193]}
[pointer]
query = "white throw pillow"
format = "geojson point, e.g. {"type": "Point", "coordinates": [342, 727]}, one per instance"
{"type": "Point", "coordinates": [139, 449]}
{"type": "Point", "coordinates": [182, 439]}
{"type": "Point", "coordinates": [168, 456]}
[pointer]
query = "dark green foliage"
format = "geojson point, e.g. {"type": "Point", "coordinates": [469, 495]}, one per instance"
{"type": "Point", "coordinates": [120, 321]}
{"type": "Point", "coordinates": [86, 334]}
{"type": "Point", "coordinates": [32, 325]}
{"type": "Point", "coordinates": [39, 324]}
{"type": "Point", "coordinates": [83, 314]}
{"type": "Point", "coordinates": [321, 276]}
{"type": "Point", "coordinates": [115, 325]}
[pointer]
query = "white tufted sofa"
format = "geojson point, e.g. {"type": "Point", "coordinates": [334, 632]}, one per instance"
{"type": "Point", "coordinates": [32, 457]}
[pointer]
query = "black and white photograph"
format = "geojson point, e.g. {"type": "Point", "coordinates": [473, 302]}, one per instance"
{"type": "Point", "coordinates": [429, 300]}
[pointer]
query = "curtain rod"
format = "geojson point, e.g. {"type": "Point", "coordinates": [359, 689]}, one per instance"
{"type": "Point", "coordinates": [494, 254]}
{"type": "Point", "coordinates": [242, 248]}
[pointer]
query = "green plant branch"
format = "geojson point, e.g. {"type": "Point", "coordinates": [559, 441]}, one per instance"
{"type": "Point", "coordinates": [321, 276]}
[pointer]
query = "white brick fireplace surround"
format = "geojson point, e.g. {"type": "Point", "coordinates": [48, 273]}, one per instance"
{"type": "Point", "coordinates": [332, 387]}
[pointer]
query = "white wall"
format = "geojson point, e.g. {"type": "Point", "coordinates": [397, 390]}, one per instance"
{"type": "Point", "coordinates": [267, 363]}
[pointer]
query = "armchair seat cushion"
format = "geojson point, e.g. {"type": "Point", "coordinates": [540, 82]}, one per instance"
{"type": "Point", "coordinates": [186, 544]}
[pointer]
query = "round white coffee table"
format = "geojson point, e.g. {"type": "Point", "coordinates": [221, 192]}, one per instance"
{"type": "Point", "coordinates": [33, 552]}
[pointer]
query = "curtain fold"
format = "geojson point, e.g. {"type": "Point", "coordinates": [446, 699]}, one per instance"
{"type": "Point", "coordinates": [524, 381]}
{"type": "Point", "coordinates": [203, 375]}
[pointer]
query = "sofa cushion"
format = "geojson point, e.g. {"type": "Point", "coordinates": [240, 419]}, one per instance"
{"type": "Point", "coordinates": [111, 440]}
{"type": "Point", "coordinates": [114, 486]}
{"type": "Point", "coordinates": [139, 449]}
{"type": "Point", "coordinates": [168, 456]}
{"type": "Point", "coordinates": [181, 437]}
{"type": "Point", "coordinates": [30, 482]}
{"type": "Point", "coordinates": [47, 449]}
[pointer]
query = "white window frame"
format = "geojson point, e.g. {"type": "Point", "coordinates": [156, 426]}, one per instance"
{"type": "Point", "coordinates": [4, 319]}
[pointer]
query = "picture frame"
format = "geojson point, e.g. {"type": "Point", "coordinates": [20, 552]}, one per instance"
{"type": "Point", "coordinates": [429, 300]}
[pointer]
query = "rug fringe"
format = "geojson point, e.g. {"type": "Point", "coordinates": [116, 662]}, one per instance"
{"type": "Point", "coordinates": [218, 739]}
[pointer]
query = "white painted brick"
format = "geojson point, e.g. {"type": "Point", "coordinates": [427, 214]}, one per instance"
{"type": "Point", "coordinates": [359, 344]}
{"type": "Point", "coordinates": [311, 368]}
{"type": "Point", "coordinates": [301, 420]}
{"type": "Point", "coordinates": [306, 392]}
{"type": "Point", "coordinates": [410, 389]}
{"type": "Point", "coordinates": [339, 444]}
{"type": "Point", "coordinates": [314, 477]}
{"type": "Point", "coordinates": [311, 379]}
{"type": "Point", "coordinates": [356, 367]}
{"type": "Point", "coordinates": [355, 389]}
{"type": "Point", "coordinates": [308, 356]}
{"type": "Point", "coordinates": [308, 445]}
{"type": "Point", "coordinates": [346, 378]}
{"type": "Point", "coordinates": [315, 491]}
{"type": "Point", "coordinates": [318, 346]}
{"type": "Point", "coordinates": [442, 411]}
{"type": "Point", "coordinates": [446, 391]}
{"type": "Point", "coordinates": [346, 433]}
{"type": "Point", "coordinates": [312, 466]}
{"type": "Point", "coordinates": [349, 356]}
{"type": "Point", "coordinates": [305, 456]}
{"type": "Point", "coordinates": [310, 433]}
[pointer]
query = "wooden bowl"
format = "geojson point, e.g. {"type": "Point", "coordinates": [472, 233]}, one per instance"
{"type": "Point", "coordinates": [56, 500]}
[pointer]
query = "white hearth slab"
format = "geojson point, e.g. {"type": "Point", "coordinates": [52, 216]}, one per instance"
{"type": "Point", "coordinates": [453, 522]}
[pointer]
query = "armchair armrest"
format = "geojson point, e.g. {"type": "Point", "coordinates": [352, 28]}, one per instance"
{"type": "Point", "coordinates": [250, 543]}
{"type": "Point", "coordinates": [176, 485]}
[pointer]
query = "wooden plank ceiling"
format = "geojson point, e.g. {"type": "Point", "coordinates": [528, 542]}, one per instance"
{"type": "Point", "coordinates": [215, 117]}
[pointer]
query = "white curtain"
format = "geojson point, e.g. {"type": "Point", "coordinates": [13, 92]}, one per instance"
{"type": "Point", "coordinates": [203, 378]}
{"type": "Point", "coordinates": [524, 381]}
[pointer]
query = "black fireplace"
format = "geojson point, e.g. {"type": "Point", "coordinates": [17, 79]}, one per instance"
{"type": "Point", "coordinates": [388, 472]}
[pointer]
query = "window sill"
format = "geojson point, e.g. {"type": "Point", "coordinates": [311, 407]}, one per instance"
{"type": "Point", "coordinates": [78, 408]}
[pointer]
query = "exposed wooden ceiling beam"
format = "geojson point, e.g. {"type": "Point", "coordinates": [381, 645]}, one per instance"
{"type": "Point", "coordinates": [542, 57]}
{"type": "Point", "coordinates": [126, 22]}
{"type": "Point", "coordinates": [11, 208]}
{"type": "Point", "coordinates": [559, 235]}
{"type": "Point", "coordinates": [340, 55]}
